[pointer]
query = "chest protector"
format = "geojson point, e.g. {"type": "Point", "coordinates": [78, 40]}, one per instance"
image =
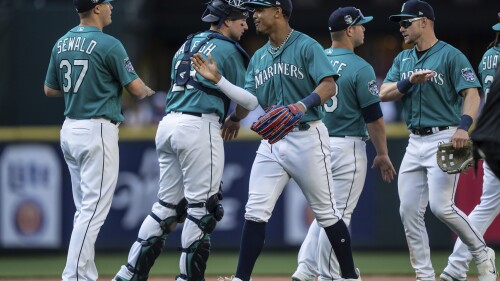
{"type": "Point", "coordinates": [182, 77]}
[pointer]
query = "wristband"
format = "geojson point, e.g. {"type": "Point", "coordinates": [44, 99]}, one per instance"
{"type": "Point", "coordinates": [404, 85]}
{"type": "Point", "coordinates": [305, 107]}
{"type": "Point", "coordinates": [465, 122]}
{"type": "Point", "coordinates": [311, 100]}
{"type": "Point", "coordinates": [234, 118]}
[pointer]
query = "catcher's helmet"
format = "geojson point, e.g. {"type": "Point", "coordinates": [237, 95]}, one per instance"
{"type": "Point", "coordinates": [219, 10]}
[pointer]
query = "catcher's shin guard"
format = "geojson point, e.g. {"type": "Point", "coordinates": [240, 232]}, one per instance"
{"type": "Point", "coordinates": [152, 247]}
{"type": "Point", "coordinates": [198, 252]}
{"type": "Point", "coordinates": [196, 259]}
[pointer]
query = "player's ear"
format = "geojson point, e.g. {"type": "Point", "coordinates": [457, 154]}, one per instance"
{"type": "Point", "coordinates": [227, 22]}
{"type": "Point", "coordinates": [349, 30]}
{"type": "Point", "coordinates": [278, 12]}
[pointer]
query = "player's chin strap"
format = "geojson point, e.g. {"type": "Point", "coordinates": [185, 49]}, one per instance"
{"type": "Point", "coordinates": [197, 253]}
{"type": "Point", "coordinates": [152, 247]}
{"type": "Point", "coordinates": [182, 77]}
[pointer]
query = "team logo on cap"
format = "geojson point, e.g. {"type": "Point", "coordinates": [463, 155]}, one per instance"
{"type": "Point", "coordinates": [348, 19]}
{"type": "Point", "coordinates": [372, 88]}
{"type": "Point", "coordinates": [468, 74]}
{"type": "Point", "coordinates": [403, 8]}
{"type": "Point", "coordinates": [94, 1]}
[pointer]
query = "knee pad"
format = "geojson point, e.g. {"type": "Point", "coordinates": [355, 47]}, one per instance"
{"type": "Point", "coordinates": [152, 247]}
{"type": "Point", "coordinates": [196, 259]}
{"type": "Point", "coordinates": [214, 207]}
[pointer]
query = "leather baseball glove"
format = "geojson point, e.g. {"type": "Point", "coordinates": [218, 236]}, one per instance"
{"type": "Point", "coordinates": [277, 122]}
{"type": "Point", "coordinates": [452, 160]}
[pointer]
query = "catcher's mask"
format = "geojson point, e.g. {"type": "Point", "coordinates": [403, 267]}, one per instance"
{"type": "Point", "coordinates": [219, 10]}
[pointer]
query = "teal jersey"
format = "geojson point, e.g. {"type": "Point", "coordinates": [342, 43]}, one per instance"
{"type": "Point", "coordinates": [289, 75]}
{"type": "Point", "coordinates": [90, 68]}
{"type": "Point", "coordinates": [231, 65]}
{"type": "Point", "coordinates": [436, 102]}
{"type": "Point", "coordinates": [357, 89]}
{"type": "Point", "coordinates": [487, 68]}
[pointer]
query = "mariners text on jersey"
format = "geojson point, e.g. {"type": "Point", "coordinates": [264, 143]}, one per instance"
{"type": "Point", "coordinates": [76, 44]}
{"type": "Point", "coordinates": [490, 62]}
{"type": "Point", "coordinates": [438, 78]}
{"type": "Point", "coordinates": [281, 68]}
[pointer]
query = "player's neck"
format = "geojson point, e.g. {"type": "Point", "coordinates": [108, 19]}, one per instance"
{"type": "Point", "coordinates": [280, 34]}
{"type": "Point", "coordinates": [91, 22]}
{"type": "Point", "coordinates": [343, 44]}
{"type": "Point", "coordinates": [425, 43]}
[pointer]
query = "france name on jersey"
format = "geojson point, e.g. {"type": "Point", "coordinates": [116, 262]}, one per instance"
{"type": "Point", "coordinates": [90, 68]}
{"type": "Point", "coordinates": [487, 68]}
{"type": "Point", "coordinates": [357, 89]}
{"type": "Point", "coordinates": [289, 75]}
{"type": "Point", "coordinates": [436, 102]}
{"type": "Point", "coordinates": [231, 65]}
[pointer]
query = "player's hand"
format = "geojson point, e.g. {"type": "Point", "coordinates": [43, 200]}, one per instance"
{"type": "Point", "coordinates": [230, 129]}
{"type": "Point", "coordinates": [386, 168]}
{"type": "Point", "coordinates": [207, 69]}
{"type": "Point", "coordinates": [460, 138]}
{"type": "Point", "coordinates": [421, 76]}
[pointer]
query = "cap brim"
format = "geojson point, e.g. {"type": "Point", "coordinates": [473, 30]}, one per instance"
{"type": "Point", "coordinates": [365, 20]}
{"type": "Point", "coordinates": [254, 4]}
{"type": "Point", "coordinates": [397, 18]}
{"type": "Point", "coordinates": [106, 1]}
{"type": "Point", "coordinates": [496, 27]}
{"type": "Point", "coordinates": [210, 18]}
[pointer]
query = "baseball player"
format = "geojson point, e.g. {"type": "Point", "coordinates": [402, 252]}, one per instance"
{"type": "Point", "coordinates": [438, 89]}
{"type": "Point", "coordinates": [352, 115]}
{"type": "Point", "coordinates": [291, 68]}
{"type": "Point", "coordinates": [483, 214]}
{"type": "Point", "coordinates": [484, 136]}
{"type": "Point", "coordinates": [190, 147]}
{"type": "Point", "coordinates": [89, 69]}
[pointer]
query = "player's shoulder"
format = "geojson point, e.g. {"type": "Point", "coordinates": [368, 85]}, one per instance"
{"type": "Point", "coordinates": [446, 48]}
{"type": "Point", "coordinates": [218, 45]}
{"type": "Point", "coordinates": [346, 56]}
{"type": "Point", "coordinates": [495, 50]}
{"type": "Point", "coordinates": [303, 39]}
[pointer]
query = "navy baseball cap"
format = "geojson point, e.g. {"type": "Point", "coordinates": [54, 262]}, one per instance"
{"type": "Point", "coordinates": [342, 18]}
{"type": "Point", "coordinates": [496, 27]}
{"type": "Point", "coordinates": [85, 5]}
{"type": "Point", "coordinates": [286, 5]}
{"type": "Point", "coordinates": [414, 9]}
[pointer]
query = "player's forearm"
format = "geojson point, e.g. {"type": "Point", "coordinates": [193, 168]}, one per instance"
{"type": "Point", "coordinates": [238, 94]}
{"type": "Point", "coordinates": [376, 130]}
{"type": "Point", "coordinates": [49, 92]}
{"type": "Point", "coordinates": [471, 102]}
{"type": "Point", "coordinates": [389, 92]}
{"type": "Point", "coordinates": [139, 89]}
{"type": "Point", "coordinates": [239, 113]}
{"type": "Point", "coordinates": [326, 89]}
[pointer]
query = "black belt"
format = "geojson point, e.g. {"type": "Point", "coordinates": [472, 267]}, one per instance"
{"type": "Point", "coordinates": [428, 130]}
{"type": "Point", "coordinates": [303, 126]}
{"type": "Point", "coordinates": [111, 121]}
{"type": "Point", "coordinates": [197, 114]}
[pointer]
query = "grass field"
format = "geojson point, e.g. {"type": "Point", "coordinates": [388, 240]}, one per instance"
{"type": "Point", "coordinates": [220, 264]}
